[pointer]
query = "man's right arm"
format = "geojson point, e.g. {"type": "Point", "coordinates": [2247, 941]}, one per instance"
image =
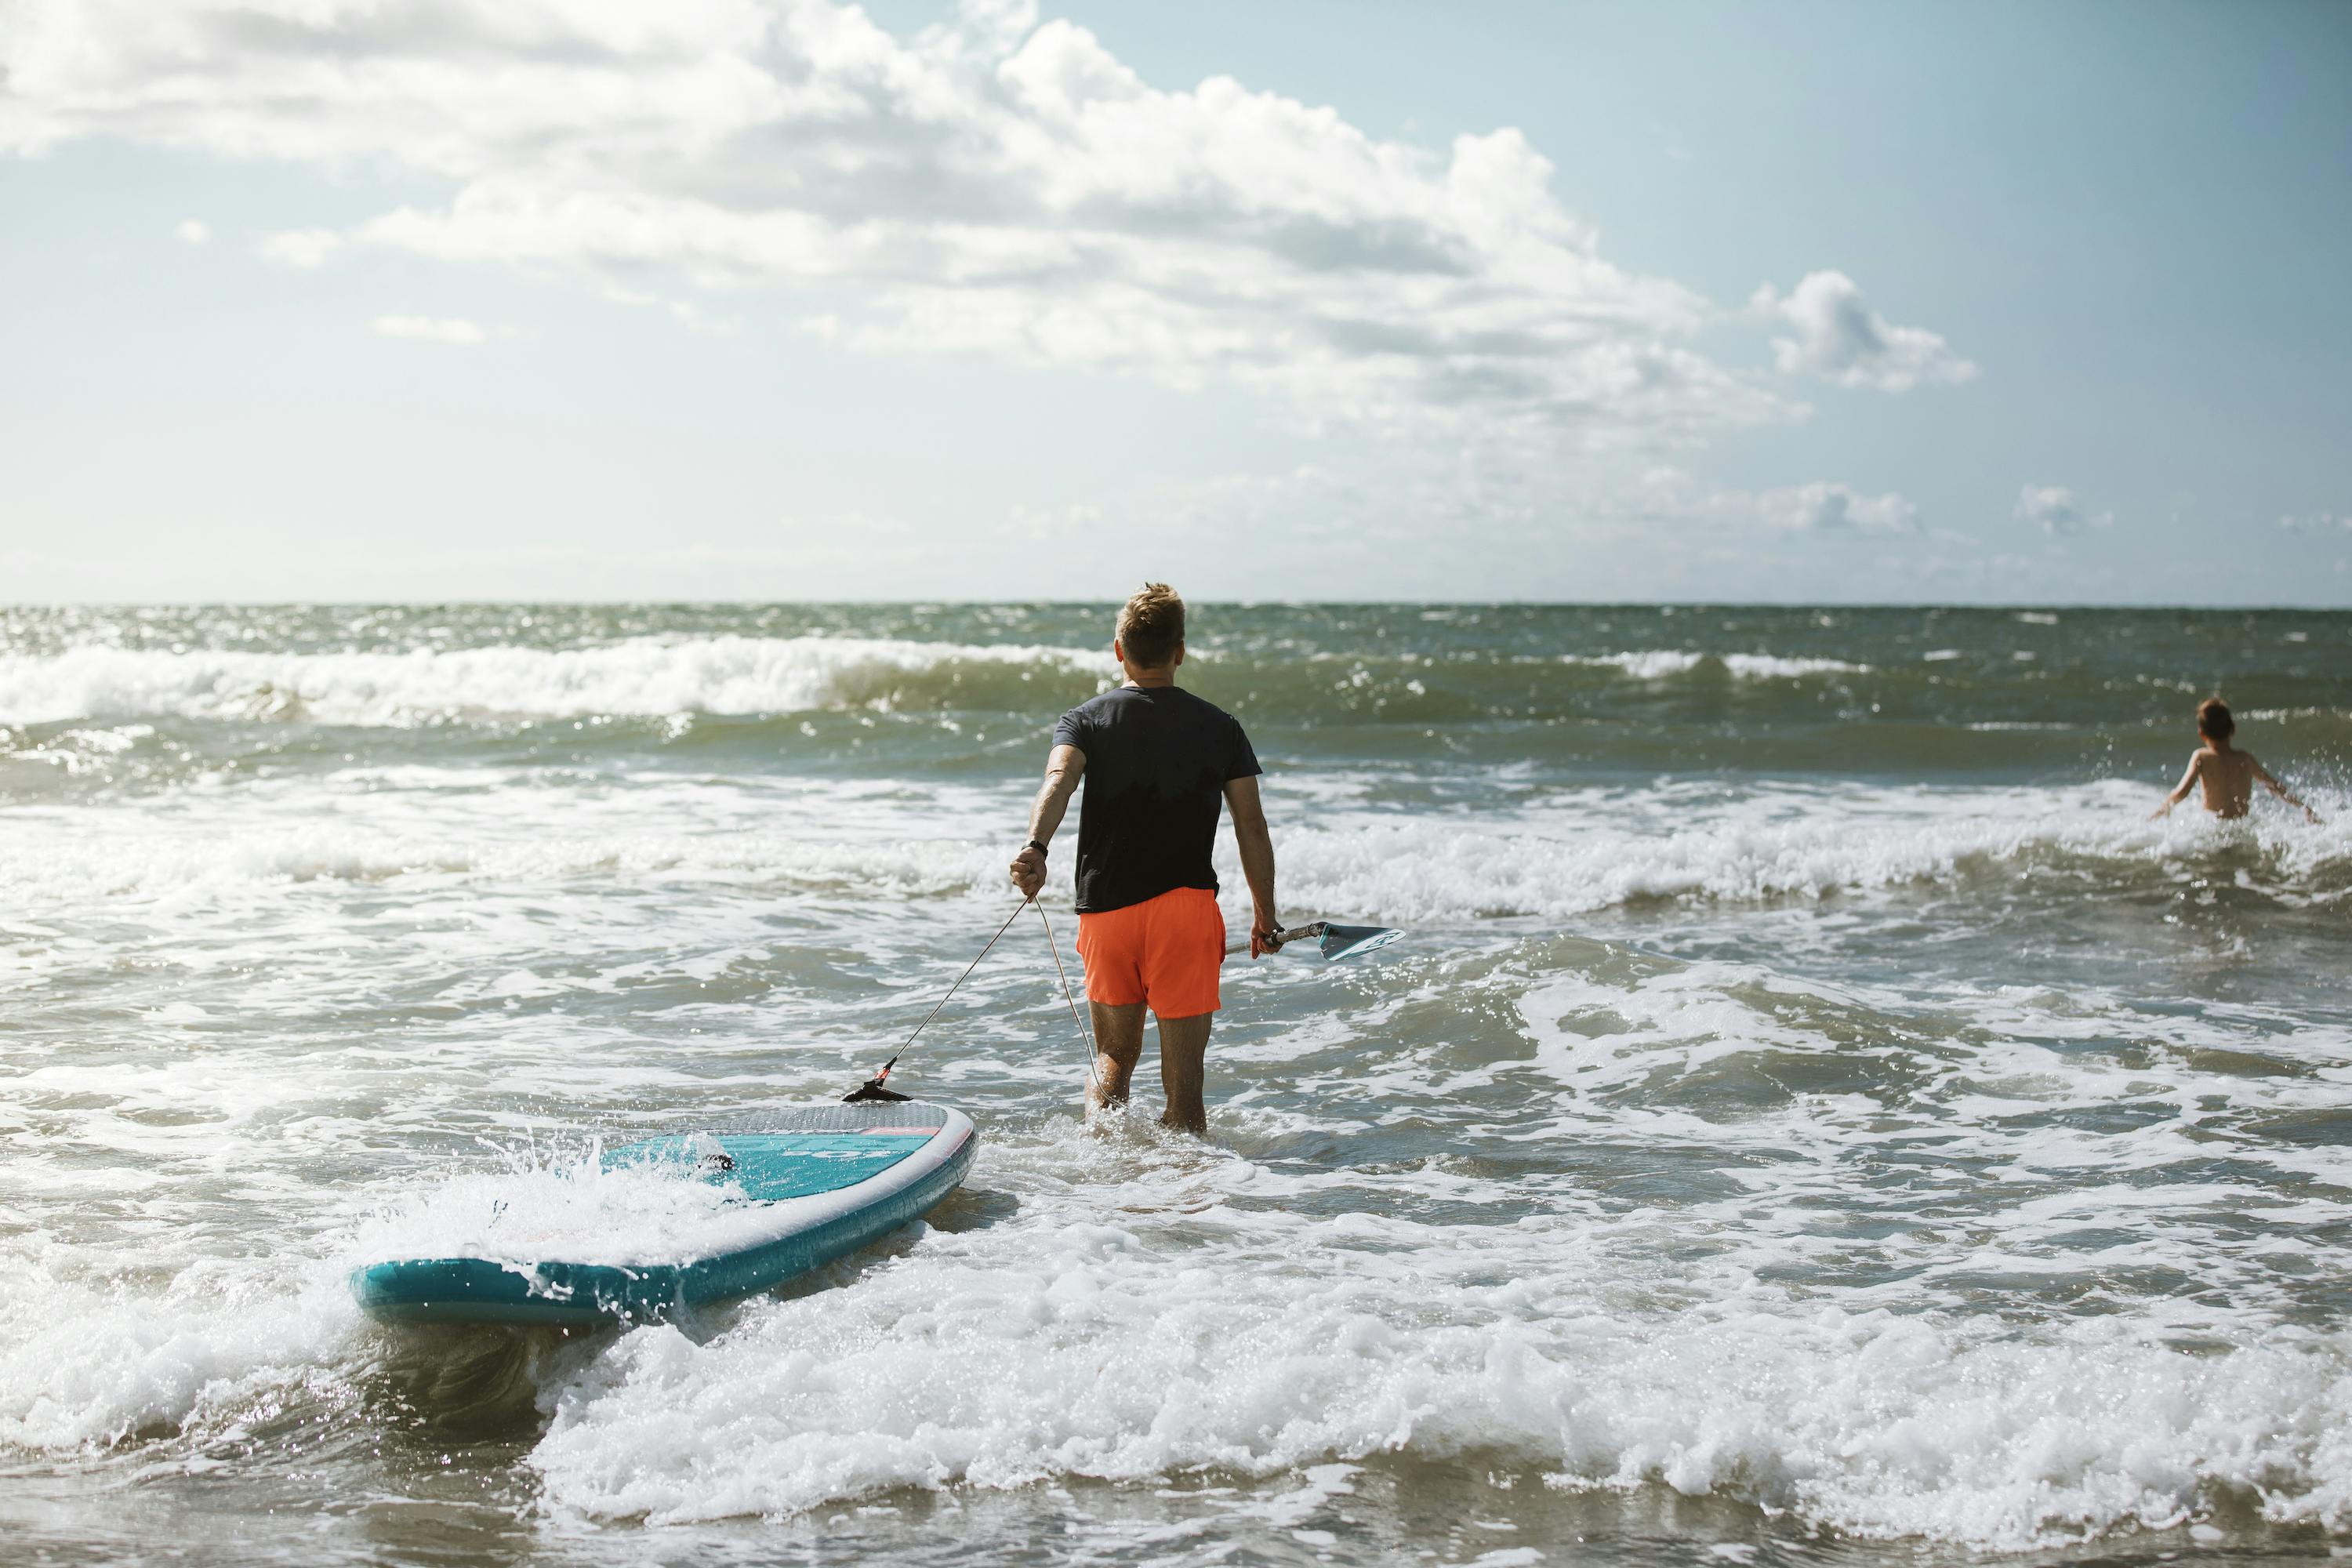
{"type": "Point", "coordinates": [1063, 766]}
{"type": "Point", "coordinates": [1257, 860]}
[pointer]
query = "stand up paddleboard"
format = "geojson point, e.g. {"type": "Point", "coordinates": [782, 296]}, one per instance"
{"type": "Point", "coordinates": [816, 1182]}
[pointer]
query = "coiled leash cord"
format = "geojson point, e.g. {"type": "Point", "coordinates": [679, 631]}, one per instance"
{"type": "Point", "coordinates": [876, 1087]}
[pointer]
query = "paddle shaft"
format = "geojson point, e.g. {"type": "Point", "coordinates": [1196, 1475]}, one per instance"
{"type": "Point", "coordinates": [1294, 933]}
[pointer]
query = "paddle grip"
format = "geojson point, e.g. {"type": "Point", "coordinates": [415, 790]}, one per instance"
{"type": "Point", "coordinates": [1282, 937]}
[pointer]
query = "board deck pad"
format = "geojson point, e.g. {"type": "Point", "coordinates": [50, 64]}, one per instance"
{"type": "Point", "coordinates": [816, 1182]}
{"type": "Point", "coordinates": [772, 1166]}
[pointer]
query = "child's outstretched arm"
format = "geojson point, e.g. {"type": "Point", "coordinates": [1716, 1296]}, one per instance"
{"type": "Point", "coordinates": [2180, 791]}
{"type": "Point", "coordinates": [2280, 790]}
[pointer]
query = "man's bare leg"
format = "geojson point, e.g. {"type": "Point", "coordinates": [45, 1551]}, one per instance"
{"type": "Point", "coordinates": [1183, 1043]}
{"type": "Point", "coordinates": [1118, 1045]}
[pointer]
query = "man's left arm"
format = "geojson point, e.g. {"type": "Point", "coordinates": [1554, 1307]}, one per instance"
{"type": "Point", "coordinates": [1256, 845]}
{"type": "Point", "coordinates": [1063, 766]}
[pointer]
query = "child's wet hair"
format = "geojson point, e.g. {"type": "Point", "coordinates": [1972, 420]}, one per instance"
{"type": "Point", "coordinates": [2213, 720]}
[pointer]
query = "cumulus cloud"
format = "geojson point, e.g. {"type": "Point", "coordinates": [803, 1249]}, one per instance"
{"type": "Point", "coordinates": [301, 248]}
{"type": "Point", "coordinates": [193, 231]}
{"type": "Point", "coordinates": [990, 185]}
{"type": "Point", "coordinates": [1825, 507]}
{"type": "Point", "coordinates": [2054, 509]}
{"type": "Point", "coordinates": [1668, 494]}
{"type": "Point", "coordinates": [1840, 337]}
{"type": "Point", "coordinates": [455, 330]}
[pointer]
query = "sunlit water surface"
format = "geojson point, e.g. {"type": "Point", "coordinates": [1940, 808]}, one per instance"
{"type": "Point", "coordinates": [1815, 1117]}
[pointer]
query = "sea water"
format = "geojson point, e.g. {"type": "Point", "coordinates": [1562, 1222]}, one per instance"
{"type": "Point", "coordinates": [1814, 1116]}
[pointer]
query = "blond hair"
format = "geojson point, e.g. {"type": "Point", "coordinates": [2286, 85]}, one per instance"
{"type": "Point", "coordinates": [1152, 626]}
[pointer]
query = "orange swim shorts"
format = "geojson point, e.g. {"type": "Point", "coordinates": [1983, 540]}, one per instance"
{"type": "Point", "coordinates": [1164, 951]}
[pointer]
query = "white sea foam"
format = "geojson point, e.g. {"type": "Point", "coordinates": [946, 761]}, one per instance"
{"type": "Point", "coordinates": [1612, 850]}
{"type": "Point", "coordinates": [343, 852]}
{"type": "Point", "coordinates": [1620, 850]}
{"type": "Point", "coordinates": [1821, 1218]}
{"type": "Point", "coordinates": [1664, 664]}
{"type": "Point", "coordinates": [576, 1209]}
{"type": "Point", "coordinates": [1220, 1315]}
{"type": "Point", "coordinates": [1148, 1308]}
{"type": "Point", "coordinates": [85, 1363]}
{"type": "Point", "coordinates": [546, 1205]}
{"type": "Point", "coordinates": [652, 677]}
{"type": "Point", "coordinates": [1170, 1334]}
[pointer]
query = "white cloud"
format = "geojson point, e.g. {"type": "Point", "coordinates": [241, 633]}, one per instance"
{"type": "Point", "coordinates": [2316, 521]}
{"type": "Point", "coordinates": [2054, 509]}
{"type": "Point", "coordinates": [193, 231]}
{"type": "Point", "coordinates": [1668, 494]}
{"type": "Point", "coordinates": [1822, 507]}
{"type": "Point", "coordinates": [301, 248]}
{"type": "Point", "coordinates": [989, 185]}
{"type": "Point", "coordinates": [455, 330]}
{"type": "Point", "coordinates": [1840, 337]}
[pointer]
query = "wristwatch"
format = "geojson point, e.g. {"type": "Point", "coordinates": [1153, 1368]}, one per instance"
{"type": "Point", "coordinates": [1032, 844]}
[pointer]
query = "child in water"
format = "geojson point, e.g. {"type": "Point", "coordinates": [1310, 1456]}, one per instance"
{"type": "Point", "coordinates": [2228, 776]}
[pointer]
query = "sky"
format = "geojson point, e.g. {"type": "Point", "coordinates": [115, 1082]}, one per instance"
{"type": "Point", "coordinates": [436, 299]}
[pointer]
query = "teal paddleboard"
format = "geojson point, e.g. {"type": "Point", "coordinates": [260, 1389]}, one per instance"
{"type": "Point", "coordinates": [804, 1185]}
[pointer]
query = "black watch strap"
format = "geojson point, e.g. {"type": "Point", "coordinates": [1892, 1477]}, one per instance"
{"type": "Point", "coordinates": [1032, 844]}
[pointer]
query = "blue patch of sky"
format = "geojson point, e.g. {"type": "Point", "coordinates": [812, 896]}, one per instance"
{"type": "Point", "coordinates": [2132, 217]}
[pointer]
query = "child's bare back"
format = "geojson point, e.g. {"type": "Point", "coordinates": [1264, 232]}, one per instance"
{"type": "Point", "coordinates": [2228, 778]}
{"type": "Point", "coordinates": [2227, 775]}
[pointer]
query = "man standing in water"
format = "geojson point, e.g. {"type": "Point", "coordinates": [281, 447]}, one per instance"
{"type": "Point", "coordinates": [1156, 762]}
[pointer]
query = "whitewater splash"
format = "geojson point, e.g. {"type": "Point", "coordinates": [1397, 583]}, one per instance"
{"type": "Point", "coordinates": [1611, 849]}
{"type": "Point", "coordinates": [1062, 1347]}
{"type": "Point", "coordinates": [1874, 1424]}
{"type": "Point", "coordinates": [662, 677]}
{"type": "Point", "coordinates": [645, 677]}
{"type": "Point", "coordinates": [1664, 664]}
{"type": "Point", "coordinates": [1811, 1097]}
{"type": "Point", "coordinates": [547, 1204]}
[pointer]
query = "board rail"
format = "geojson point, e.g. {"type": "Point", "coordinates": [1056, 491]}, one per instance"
{"type": "Point", "coordinates": [815, 1229]}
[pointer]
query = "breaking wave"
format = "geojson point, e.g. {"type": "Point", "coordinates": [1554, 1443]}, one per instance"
{"type": "Point", "coordinates": [1664, 664]}
{"type": "Point", "coordinates": [1085, 1358]}
{"type": "Point", "coordinates": [734, 675]}
{"type": "Point", "coordinates": [648, 676]}
{"type": "Point", "coordinates": [1451, 868]}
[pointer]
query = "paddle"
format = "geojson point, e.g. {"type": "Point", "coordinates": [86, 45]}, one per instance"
{"type": "Point", "coordinates": [1331, 942]}
{"type": "Point", "coordinates": [1336, 941]}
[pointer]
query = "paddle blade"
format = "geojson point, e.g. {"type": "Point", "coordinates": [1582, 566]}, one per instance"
{"type": "Point", "coordinates": [871, 1089]}
{"type": "Point", "coordinates": [1347, 942]}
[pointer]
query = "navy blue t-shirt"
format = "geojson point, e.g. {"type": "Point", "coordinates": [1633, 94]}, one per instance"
{"type": "Point", "coordinates": [1158, 760]}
